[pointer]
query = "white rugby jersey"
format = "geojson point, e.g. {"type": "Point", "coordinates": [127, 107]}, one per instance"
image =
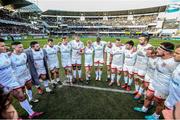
{"type": "Point", "coordinates": [65, 51]}
{"type": "Point", "coordinates": [151, 67]}
{"type": "Point", "coordinates": [130, 57]}
{"type": "Point", "coordinates": [52, 57]}
{"type": "Point", "coordinates": [38, 59]}
{"type": "Point", "coordinates": [142, 59]}
{"type": "Point", "coordinates": [76, 48]}
{"type": "Point", "coordinates": [88, 52]}
{"type": "Point", "coordinates": [163, 74]}
{"type": "Point", "coordinates": [174, 89]}
{"type": "Point", "coordinates": [6, 72]}
{"type": "Point", "coordinates": [99, 49]}
{"type": "Point", "coordinates": [108, 53]}
{"type": "Point", "coordinates": [19, 65]}
{"type": "Point", "coordinates": [118, 55]}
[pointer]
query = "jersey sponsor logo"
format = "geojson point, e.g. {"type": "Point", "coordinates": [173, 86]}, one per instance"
{"type": "Point", "coordinates": [163, 64]}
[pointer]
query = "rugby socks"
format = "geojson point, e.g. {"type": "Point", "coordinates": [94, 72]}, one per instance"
{"type": "Point", "coordinates": [58, 79]}
{"type": "Point", "coordinates": [74, 73]}
{"type": "Point", "coordinates": [144, 109]}
{"type": "Point", "coordinates": [140, 90]}
{"type": "Point", "coordinates": [118, 78]}
{"type": "Point", "coordinates": [46, 83]}
{"type": "Point", "coordinates": [113, 77]}
{"type": "Point", "coordinates": [70, 78]}
{"type": "Point", "coordinates": [125, 79]}
{"type": "Point", "coordinates": [25, 104]}
{"type": "Point", "coordinates": [29, 94]}
{"type": "Point", "coordinates": [97, 74]}
{"type": "Point", "coordinates": [86, 76]}
{"type": "Point", "coordinates": [156, 115]}
{"type": "Point", "coordinates": [100, 73]}
{"type": "Point", "coordinates": [136, 87]}
{"type": "Point", "coordinates": [109, 76]}
{"type": "Point", "coordinates": [130, 81]}
{"type": "Point", "coordinates": [79, 73]}
{"type": "Point", "coordinates": [89, 76]}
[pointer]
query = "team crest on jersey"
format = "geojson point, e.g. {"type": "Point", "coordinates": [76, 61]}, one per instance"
{"type": "Point", "coordinates": [6, 62]}
{"type": "Point", "coordinates": [6, 56]}
{"type": "Point", "coordinates": [163, 64]}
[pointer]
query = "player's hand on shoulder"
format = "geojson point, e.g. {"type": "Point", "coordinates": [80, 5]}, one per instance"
{"type": "Point", "coordinates": [45, 46]}
{"type": "Point", "coordinates": [59, 43]}
{"type": "Point", "coordinates": [134, 49]}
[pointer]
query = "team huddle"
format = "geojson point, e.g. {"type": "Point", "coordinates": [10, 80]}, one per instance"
{"type": "Point", "coordinates": [155, 72]}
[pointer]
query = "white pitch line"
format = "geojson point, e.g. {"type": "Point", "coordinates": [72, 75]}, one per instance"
{"type": "Point", "coordinates": [98, 88]}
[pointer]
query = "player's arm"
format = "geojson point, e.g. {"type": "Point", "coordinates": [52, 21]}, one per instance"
{"type": "Point", "coordinates": [82, 49]}
{"type": "Point", "coordinates": [111, 58]}
{"type": "Point", "coordinates": [105, 56]}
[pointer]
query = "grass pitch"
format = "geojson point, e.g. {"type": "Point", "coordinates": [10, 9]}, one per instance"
{"type": "Point", "coordinates": [78, 103]}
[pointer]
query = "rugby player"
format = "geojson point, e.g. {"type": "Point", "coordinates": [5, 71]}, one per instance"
{"type": "Point", "coordinates": [65, 49]}
{"type": "Point", "coordinates": [117, 61]}
{"type": "Point", "coordinates": [88, 52]}
{"type": "Point", "coordinates": [140, 66]}
{"type": "Point", "coordinates": [149, 77]}
{"type": "Point", "coordinates": [163, 75]}
{"type": "Point", "coordinates": [53, 62]}
{"type": "Point", "coordinates": [107, 59]}
{"type": "Point", "coordinates": [9, 83]}
{"type": "Point", "coordinates": [77, 51]}
{"type": "Point", "coordinates": [130, 58]}
{"type": "Point", "coordinates": [99, 57]}
{"type": "Point", "coordinates": [174, 88]}
{"type": "Point", "coordinates": [37, 61]}
{"type": "Point", "coordinates": [20, 69]}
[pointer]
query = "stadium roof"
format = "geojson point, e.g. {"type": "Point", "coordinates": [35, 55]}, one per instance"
{"type": "Point", "coordinates": [99, 5]}
{"type": "Point", "coordinates": [105, 13]}
{"type": "Point", "coordinates": [14, 4]}
{"type": "Point", "coordinates": [30, 9]}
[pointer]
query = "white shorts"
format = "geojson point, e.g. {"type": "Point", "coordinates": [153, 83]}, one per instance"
{"type": "Point", "coordinates": [66, 62]}
{"type": "Point", "coordinates": [88, 64]}
{"type": "Point", "coordinates": [128, 69]}
{"type": "Point", "coordinates": [76, 61]}
{"type": "Point", "coordinates": [151, 87]}
{"type": "Point", "coordinates": [22, 81]}
{"type": "Point", "coordinates": [117, 67]}
{"type": "Point", "coordinates": [160, 95]}
{"type": "Point", "coordinates": [108, 63]}
{"type": "Point", "coordinates": [41, 71]}
{"type": "Point", "coordinates": [139, 72]}
{"type": "Point", "coordinates": [52, 66]}
{"type": "Point", "coordinates": [170, 101]}
{"type": "Point", "coordinates": [10, 85]}
{"type": "Point", "coordinates": [147, 78]}
{"type": "Point", "coordinates": [98, 62]}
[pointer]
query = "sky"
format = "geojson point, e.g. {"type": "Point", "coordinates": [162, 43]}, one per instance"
{"type": "Point", "coordinates": [96, 5]}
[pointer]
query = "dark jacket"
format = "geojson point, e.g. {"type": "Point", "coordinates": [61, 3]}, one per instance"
{"type": "Point", "coordinates": [33, 71]}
